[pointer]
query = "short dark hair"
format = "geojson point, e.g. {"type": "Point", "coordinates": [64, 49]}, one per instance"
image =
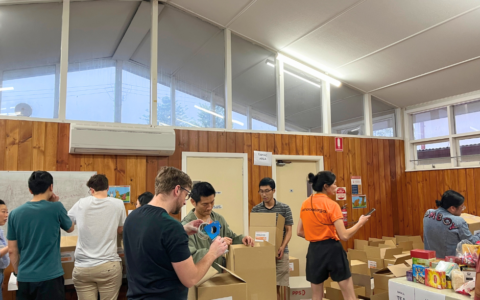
{"type": "Point", "coordinates": [202, 189]}
{"type": "Point", "coordinates": [98, 182]}
{"type": "Point", "coordinates": [145, 198]}
{"type": "Point", "coordinates": [318, 181]}
{"type": "Point", "coordinates": [450, 198]}
{"type": "Point", "coordinates": [267, 181]}
{"type": "Point", "coordinates": [39, 182]}
{"type": "Point", "coordinates": [168, 178]}
{"type": "Point", "coordinates": [2, 202]}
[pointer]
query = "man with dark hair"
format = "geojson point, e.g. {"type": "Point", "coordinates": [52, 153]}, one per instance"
{"type": "Point", "coordinates": [98, 268]}
{"type": "Point", "coordinates": [271, 205]}
{"type": "Point", "coordinates": [34, 232]}
{"type": "Point", "coordinates": [144, 199]}
{"type": "Point", "coordinates": [159, 264]}
{"type": "Point", "coordinates": [203, 199]}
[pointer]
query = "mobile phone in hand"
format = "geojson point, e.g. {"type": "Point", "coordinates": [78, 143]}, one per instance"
{"type": "Point", "coordinates": [370, 212]}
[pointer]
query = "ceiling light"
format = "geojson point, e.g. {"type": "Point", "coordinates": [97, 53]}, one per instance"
{"type": "Point", "coordinates": [473, 128]}
{"type": "Point", "coordinates": [188, 123]}
{"type": "Point", "coordinates": [308, 70]}
{"type": "Point", "coordinates": [163, 124]}
{"type": "Point", "coordinates": [269, 63]}
{"type": "Point", "coordinates": [237, 122]}
{"type": "Point", "coordinates": [208, 111]}
{"type": "Point", "coordinates": [6, 89]}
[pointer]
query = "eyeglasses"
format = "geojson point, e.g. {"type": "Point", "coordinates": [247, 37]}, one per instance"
{"type": "Point", "coordinates": [264, 191]}
{"type": "Point", "coordinates": [188, 195]}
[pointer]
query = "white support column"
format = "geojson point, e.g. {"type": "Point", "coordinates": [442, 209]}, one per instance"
{"type": "Point", "coordinates": [408, 135]}
{"type": "Point", "coordinates": [280, 95]}
{"type": "Point", "coordinates": [153, 63]}
{"type": "Point", "coordinates": [367, 113]}
{"type": "Point", "coordinates": [326, 108]}
{"type": "Point", "coordinates": [249, 117]}
{"type": "Point", "coordinates": [212, 108]}
{"type": "Point", "coordinates": [173, 84]}
{"type": "Point", "coordinates": [118, 91]}
{"type": "Point", "coordinates": [399, 123]}
{"type": "Point", "coordinates": [1, 85]}
{"type": "Point", "coordinates": [56, 99]}
{"type": "Point", "coordinates": [451, 131]}
{"type": "Point", "coordinates": [62, 101]}
{"type": "Point", "coordinates": [228, 79]}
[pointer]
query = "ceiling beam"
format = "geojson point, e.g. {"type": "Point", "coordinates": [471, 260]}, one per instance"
{"type": "Point", "coordinates": [13, 2]}
{"type": "Point", "coordinates": [136, 32]}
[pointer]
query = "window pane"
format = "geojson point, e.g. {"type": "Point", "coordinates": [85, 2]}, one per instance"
{"type": "Point", "coordinates": [164, 105]}
{"type": "Point", "coordinates": [470, 150]}
{"type": "Point", "coordinates": [383, 117]}
{"type": "Point", "coordinates": [303, 101]}
{"type": "Point", "coordinates": [98, 65]}
{"type": "Point", "coordinates": [430, 124]}
{"type": "Point", "coordinates": [435, 153]}
{"type": "Point", "coordinates": [467, 117]}
{"type": "Point", "coordinates": [29, 51]}
{"type": "Point", "coordinates": [347, 110]}
{"type": "Point", "coordinates": [253, 86]}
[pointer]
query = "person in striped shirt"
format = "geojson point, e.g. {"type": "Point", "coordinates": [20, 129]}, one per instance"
{"type": "Point", "coordinates": [271, 205]}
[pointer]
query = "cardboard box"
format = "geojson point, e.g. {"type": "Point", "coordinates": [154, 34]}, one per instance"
{"type": "Point", "coordinates": [377, 255]}
{"type": "Point", "coordinates": [417, 242]}
{"type": "Point", "coordinates": [299, 289]}
{"type": "Point", "coordinates": [334, 292]}
{"type": "Point", "coordinates": [472, 221]}
{"type": "Point", "coordinates": [382, 295]}
{"type": "Point", "coordinates": [381, 277]}
{"type": "Point", "coordinates": [359, 244]}
{"type": "Point", "coordinates": [358, 262]}
{"type": "Point", "coordinates": [425, 254]}
{"type": "Point", "coordinates": [68, 244]}
{"type": "Point", "coordinates": [256, 265]}
{"type": "Point", "coordinates": [294, 266]}
{"type": "Point", "coordinates": [388, 238]}
{"type": "Point", "coordinates": [192, 292]}
{"type": "Point", "coordinates": [396, 260]}
{"type": "Point", "coordinates": [216, 285]}
{"type": "Point", "coordinates": [365, 281]}
{"type": "Point", "coordinates": [267, 227]}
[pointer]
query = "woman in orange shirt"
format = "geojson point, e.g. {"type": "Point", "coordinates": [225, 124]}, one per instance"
{"type": "Point", "coordinates": [321, 223]}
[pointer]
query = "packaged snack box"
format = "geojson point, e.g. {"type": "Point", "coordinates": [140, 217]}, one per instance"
{"type": "Point", "coordinates": [426, 254]}
{"type": "Point", "coordinates": [435, 279]}
{"type": "Point", "coordinates": [418, 273]}
{"type": "Point", "coordinates": [423, 261]}
{"type": "Point", "coordinates": [409, 275]}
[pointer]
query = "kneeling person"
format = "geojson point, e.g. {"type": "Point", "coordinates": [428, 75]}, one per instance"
{"type": "Point", "coordinates": [203, 199]}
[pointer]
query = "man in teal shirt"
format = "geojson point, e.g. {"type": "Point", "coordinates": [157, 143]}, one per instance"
{"type": "Point", "coordinates": [34, 241]}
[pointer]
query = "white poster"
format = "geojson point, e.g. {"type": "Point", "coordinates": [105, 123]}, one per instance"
{"type": "Point", "coordinates": [421, 294]}
{"type": "Point", "coordinates": [261, 158]}
{"type": "Point", "coordinates": [261, 236]}
{"type": "Point", "coordinates": [397, 291]}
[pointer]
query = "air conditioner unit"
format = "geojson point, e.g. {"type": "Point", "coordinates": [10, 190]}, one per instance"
{"type": "Point", "coordinates": [90, 139]}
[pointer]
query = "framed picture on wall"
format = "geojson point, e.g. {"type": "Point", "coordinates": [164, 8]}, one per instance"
{"type": "Point", "coordinates": [121, 192]}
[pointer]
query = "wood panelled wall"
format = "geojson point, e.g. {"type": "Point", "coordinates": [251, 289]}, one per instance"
{"type": "Point", "coordinates": [424, 187]}
{"type": "Point", "coordinates": [29, 145]}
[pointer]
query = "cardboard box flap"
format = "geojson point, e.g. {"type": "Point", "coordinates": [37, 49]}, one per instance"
{"type": "Point", "coordinates": [391, 252]}
{"type": "Point", "coordinates": [409, 262]}
{"type": "Point", "coordinates": [363, 280]}
{"type": "Point", "coordinates": [264, 219]}
{"type": "Point", "coordinates": [416, 239]}
{"type": "Point", "coordinates": [390, 243]}
{"type": "Point", "coordinates": [418, 246]}
{"type": "Point", "coordinates": [401, 258]}
{"type": "Point", "coordinates": [230, 272]}
{"type": "Point", "coordinates": [376, 243]}
{"type": "Point", "coordinates": [388, 238]}
{"type": "Point", "coordinates": [359, 244]}
{"type": "Point", "coordinates": [406, 246]}
{"type": "Point", "coordinates": [399, 270]}
{"type": "Point", "coordinates": [375, 240]}
{"type": "Point", "coordinates": [357, 255]}
{"type": "Point", "coordinates": [210, 273]}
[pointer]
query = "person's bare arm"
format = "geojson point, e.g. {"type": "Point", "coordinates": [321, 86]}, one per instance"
{"type": "Point", "coordinates": [345, 234]}
{"type": "Point", "coordinates": [286, 240]}
{"type": "Point", "coordinates": [71, 228]}
{"type": "Point", "coordinates": [3, 251]}
{"type": "Point", "coordinates": [300, 231]}
{"type": "Point", "coordinates": [120, 229]}
{"type": "Point", "coordinates": [14, 255]}
{"type": "Point", "coordinates": [190, 273]}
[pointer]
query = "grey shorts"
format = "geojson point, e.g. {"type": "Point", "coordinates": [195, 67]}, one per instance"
{"type": "Point", "coordinates": [283, 270]}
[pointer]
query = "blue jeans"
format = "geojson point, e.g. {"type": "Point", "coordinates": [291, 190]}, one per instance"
{"type": "Point", "coordinates": [1, 282]}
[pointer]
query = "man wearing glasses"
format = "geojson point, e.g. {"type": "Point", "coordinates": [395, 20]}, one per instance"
{"type": "Point", "coordinates": [203, 199]}
{"type": "Point", "coordinates": [271, 205]}
{"type": "Point", "coordinates": [159, 264]}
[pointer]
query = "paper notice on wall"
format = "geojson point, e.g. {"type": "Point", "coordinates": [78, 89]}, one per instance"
{"type": "Point", "coordinates": [356, 185]}
{"type": "Point", "coordinates": [372, 264]}
{"type": "Point", "coordinates": [68, 256]}
{"type": "Point", "coordinates": [224, 298]}
{"type": "Point", "coordinates": [262, 236]}
{"type": "Point", "coordinates": [261, 158]}
{"type": "Point", "coordinates": [292, 267]}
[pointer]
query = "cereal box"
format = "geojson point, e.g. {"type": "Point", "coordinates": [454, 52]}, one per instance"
{"type": "Point", "coordinates": [418, 273]}
{"type": "Point", "coordinates": [435, 279]}
{"type": "Point", "coordinates": [423, 261]}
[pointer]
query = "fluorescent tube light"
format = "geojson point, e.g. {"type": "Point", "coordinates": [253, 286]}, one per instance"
{"type": "Point", "coordinates": [308, 70]}
{"type": "Point", "coordinates": [296, 76]}
{"type": "Point", "coordinates": [208, 111]}
{"type": "Point", "coordinates": [188, 123]}
{"type": "Point", "coordinates": [6, 89]}
{"type": "Point", "coordinates": [237, 122]}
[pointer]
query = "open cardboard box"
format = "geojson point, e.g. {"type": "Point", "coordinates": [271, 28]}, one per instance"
{"type": "Point", "coordinates": [294, 265]}
{"type": "Point", "coordinates": [334, 293]}
{"type": "Point", "coordinates": [216, 285]}
{"type": "Point", "coordinates": [472, 221]}
{"type": "Point", "coordinates": [267, 227]}
{"type": "Point", "coordinates": [256, 265]}
{"type": "Point", "coordinates": [359, 244]}
{"type": "Point", "coordinates": [397, 259]}
{"type": "Point", "coordinates": [377, 255]}
{"type": "Point", "coordinates": [381, 277]}
{"type": "Point", "coordinates": [417, 242]}
{"type": "Point", "coordinates": [299, 288]}
{"type": "Point", "coordinates": [358, 262]}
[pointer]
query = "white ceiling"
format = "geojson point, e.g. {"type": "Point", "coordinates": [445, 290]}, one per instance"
{"type": "Point", "coordinates": [403, 52]}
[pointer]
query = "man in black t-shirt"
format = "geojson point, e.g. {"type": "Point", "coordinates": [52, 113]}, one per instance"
{"type": "Point", "coordinates": [159, 264]}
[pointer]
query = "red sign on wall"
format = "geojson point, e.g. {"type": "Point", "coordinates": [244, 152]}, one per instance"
{"type": "Point", "coordinates": [339, 144]}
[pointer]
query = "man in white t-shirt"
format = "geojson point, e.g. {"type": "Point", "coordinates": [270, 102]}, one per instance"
{"type": "Point", "coordinates": [99, 219]}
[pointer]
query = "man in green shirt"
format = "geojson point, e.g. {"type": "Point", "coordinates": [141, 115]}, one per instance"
{"type": "Point", "coordinates": [34, 241]}
{"type": "Point", "coordinates": [203, 199]}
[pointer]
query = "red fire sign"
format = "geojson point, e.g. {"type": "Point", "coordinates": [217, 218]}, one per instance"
{"type": "Point", "coordinates": [339, 144]}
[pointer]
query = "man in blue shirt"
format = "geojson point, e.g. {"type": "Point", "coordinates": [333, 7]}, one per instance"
{"type": "Point", "coordinates": [34, 241]}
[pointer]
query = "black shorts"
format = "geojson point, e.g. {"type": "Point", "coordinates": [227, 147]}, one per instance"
{"type": "Point", "coordinates": [327, 259]}
{"type": "Point", "coordinates": [53, 289]}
